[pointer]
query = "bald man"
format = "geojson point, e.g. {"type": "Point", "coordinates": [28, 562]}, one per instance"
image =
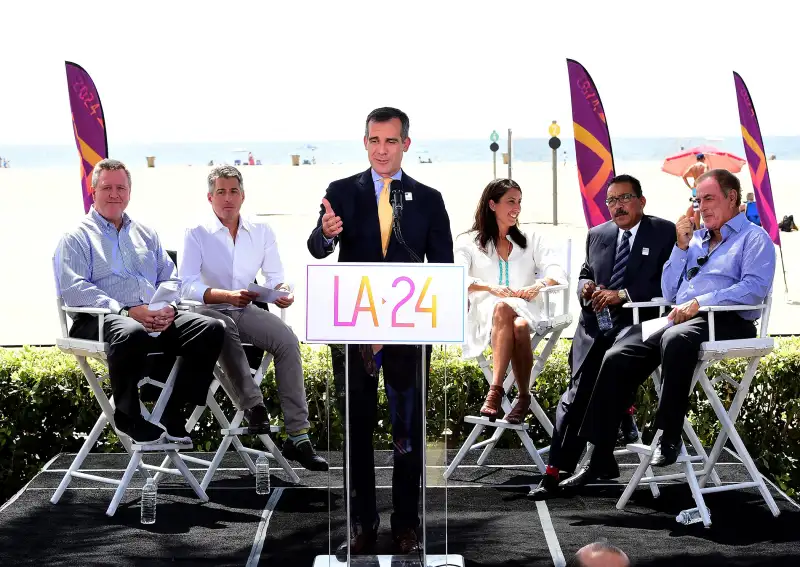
{"type": "Point", "coordinates": [599, 554]}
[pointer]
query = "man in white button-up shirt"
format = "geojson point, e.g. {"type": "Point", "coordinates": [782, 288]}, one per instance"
{"type": "Point", "coordinates": [221, 257]}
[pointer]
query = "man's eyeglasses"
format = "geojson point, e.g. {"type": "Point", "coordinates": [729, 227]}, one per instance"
{"type": "Point", "coordinates": [625, 198]}
{"type": "Point", "coordinates": [694, 271]}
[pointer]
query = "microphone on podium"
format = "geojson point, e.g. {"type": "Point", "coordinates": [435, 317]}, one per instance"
{"type": "Point", "coordinates": [397, 198]}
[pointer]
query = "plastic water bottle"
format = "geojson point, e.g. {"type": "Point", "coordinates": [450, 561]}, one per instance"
{"type": "Point", "coordinates": [262, 474]}
{"type": "Point", "coordinates": [691, 516]}
{"type": "Point", "coordinates": [604, 319]}
{"type": "Point", "coordinates": [149, 491]}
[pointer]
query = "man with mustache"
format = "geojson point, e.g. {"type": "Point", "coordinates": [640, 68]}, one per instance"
{"type": "Point", "coordinates": [728, 262]}
{"type": "Point", "coordinates": [624, 258]}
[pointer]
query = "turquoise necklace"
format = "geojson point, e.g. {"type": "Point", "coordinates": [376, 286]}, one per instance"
{"type": "Point", "coordinates": [503, 264]}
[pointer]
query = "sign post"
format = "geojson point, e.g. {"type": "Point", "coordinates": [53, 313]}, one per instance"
{"type": "Point", "coordinates": [554, 130]}
{"type": "Point", "coordinates": [494, 147]}
{"type": "Point", "coordinates": [509, 153]}
{"type": "Point", "coordinates": [387, 304]}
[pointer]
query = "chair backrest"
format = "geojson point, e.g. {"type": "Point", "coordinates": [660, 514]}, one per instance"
{"type": "Point", "coordinates": [62, 315]}
{"type": "Point", "coordinates": [764, 323]}
{"type": "Point", "coordinates": [566, 263]}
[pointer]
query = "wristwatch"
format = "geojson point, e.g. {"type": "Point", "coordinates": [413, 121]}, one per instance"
{"type": "Point", "coordinates": [124, 311]}
{"type": "Point", "coordinates": [623, 295]}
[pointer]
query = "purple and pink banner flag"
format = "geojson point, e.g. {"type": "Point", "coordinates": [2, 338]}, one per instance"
{"type": "Point", "coordinates": [756, 160]}
{"type": "Point", "coordinates": [88, 125]}
{"type": "Point", "coordinates": [592, 144]}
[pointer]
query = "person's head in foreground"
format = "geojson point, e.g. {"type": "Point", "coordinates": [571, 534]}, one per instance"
{"type": "Point", "coordinates": [111, 189]}
{"type": "Point", "coordinates": [625, 201]}
{"type": "Point", "coordinates": [701, 157]}
{"type": "Point", "coordinates": [386, 139]}
{"type": "Point", "coordinates": [498, 213]}
{"type": "Point", "coordinates": [226, 193]}
{"type": "Point", "coordinates": [719, 194]}
{"type": "Point", "coordinates": [599, 554]}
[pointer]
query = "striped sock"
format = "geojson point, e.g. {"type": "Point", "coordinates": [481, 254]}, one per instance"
{"type": "Point", "coordinates": [299, 437]}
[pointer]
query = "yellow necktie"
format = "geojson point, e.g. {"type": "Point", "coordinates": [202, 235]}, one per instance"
{"type": "Point", "coordinates": [385, 214]}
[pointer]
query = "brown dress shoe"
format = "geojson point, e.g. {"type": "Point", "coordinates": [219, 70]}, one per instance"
{"type": "Point", "coordinates": [362, 542]}
{"type": "Point", "coordinates": [406, 541]}
{"type": "Point", "coordinates": [520, 410]}
{"type": "Point", "coordinates": [492, 404]}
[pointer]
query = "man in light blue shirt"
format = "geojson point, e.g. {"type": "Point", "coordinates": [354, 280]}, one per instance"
{"type": "Point", "coordinates": [113, 262]}
{"type": "Point", "coordinates": [729, 262]}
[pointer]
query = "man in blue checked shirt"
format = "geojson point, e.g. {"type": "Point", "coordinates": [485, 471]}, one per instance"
{"type": "Point", "coordinates": [729, 262]}
{"type": "Point", "coordinates": [113, 262]}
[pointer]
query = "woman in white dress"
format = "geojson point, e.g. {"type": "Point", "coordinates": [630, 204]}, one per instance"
{"type": "Point", "coordinates": [504, 305]}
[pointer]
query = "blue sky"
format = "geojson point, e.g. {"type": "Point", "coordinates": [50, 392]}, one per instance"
{"type": "Point", "coordinates": [245, 71]}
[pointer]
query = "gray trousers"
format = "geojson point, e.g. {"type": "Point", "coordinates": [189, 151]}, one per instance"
{"type": "Point", "coordinates": [266, 331]}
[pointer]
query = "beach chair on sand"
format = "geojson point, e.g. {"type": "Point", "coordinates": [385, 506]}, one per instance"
{"type": "Point", "coordinates": [549, 331]}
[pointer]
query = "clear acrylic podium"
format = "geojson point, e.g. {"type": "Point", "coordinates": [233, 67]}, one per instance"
{"type": "Point", "coordinates": [389, 304]}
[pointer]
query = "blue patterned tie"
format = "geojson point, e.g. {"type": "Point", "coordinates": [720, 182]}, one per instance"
{"type": "Point", "coordinates": [621, 261]}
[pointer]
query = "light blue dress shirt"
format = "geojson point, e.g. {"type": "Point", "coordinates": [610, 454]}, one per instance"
{"type": "Point", "coordinates": [739, 271]}
{"type": "Point", "coordinates": [98, 266]}
{"type": "Point", "coordinates": [378, 180]}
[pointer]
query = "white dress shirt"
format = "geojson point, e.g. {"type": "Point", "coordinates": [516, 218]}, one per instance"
{"type": "Point", "coordinates": [211, 259]}
{"type": "Point", "coordinates": [633, 230]}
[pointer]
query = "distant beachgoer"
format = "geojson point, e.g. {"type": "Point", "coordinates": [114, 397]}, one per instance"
{"type": "Point", "coordinates": [694, 171]}
{"type": "Point", "coordinates": [250, 159]}
{"type": "Point", "coordinates": [211, 163]}
{"type": "Point", "coordinates": [750, 209]}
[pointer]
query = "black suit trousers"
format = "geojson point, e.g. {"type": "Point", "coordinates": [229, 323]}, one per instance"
{"type": "Point", "coordinates": [196, 339]}
{"type": "Point", "coordinates": [566, 447]}
{"type": "Point", "coordinates": [630, 362]}
{"type": "Point", "coordinates": [402, 373]}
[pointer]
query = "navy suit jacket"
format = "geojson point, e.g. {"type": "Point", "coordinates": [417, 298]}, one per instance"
{"type": "Point", "coordinates": [642, 276]}
{"type": "Point", "coordinates": [425, 225]}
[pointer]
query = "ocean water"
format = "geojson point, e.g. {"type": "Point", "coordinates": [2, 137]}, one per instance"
{"type": "Point", "coordinates": [328, 152]}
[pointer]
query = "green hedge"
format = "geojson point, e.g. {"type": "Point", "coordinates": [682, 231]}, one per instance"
{"type": "Point", "coordinates": [46, 407]}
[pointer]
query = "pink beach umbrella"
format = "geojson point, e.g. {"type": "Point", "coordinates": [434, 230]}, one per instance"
{"type": "Point", "coordinates": [715, 159]}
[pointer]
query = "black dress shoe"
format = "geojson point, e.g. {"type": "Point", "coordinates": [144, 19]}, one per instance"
{"type": "Point", "coordinates": [362, 542]}
{"type": "Point", "coordinates": [305, 455]}
{"type": "Point", "coordinates": [591, 473]}
{"type": "Point", "coordinates": [628, 432]}
{"type": "Point", "coordinates": [257, 419]}
{"type": "Point", "coordinates": [666, 453]}
{"type": "Point", "coordinates": [406, 541]}
{"type": "Point", "coordinates": [548, 488]}
{"type": "Point", "coordinates": [138, 428]}
{"type": "Point", "coordinates": [173, 421]}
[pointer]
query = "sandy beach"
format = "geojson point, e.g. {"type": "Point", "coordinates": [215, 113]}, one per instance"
{"type": "Point", "coordinates": [40, 204]}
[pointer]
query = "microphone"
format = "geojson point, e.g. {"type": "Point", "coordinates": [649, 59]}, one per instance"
{"type": "Point", "coordinates": [397, 198]}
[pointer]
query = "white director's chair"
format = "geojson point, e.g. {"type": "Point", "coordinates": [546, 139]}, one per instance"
{"type": "Point", "coordinates": [231, 430]}
{"type": "Point", "coordinates": [550, 330]}
{"type": "Point", "coordinates": [697, 478]}
{"type": "Point", "coordinates": [83, 349]}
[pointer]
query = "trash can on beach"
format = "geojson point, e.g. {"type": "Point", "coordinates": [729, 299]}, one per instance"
{"type": "Point", "coordinates": [151, 161]}
{"type": "Point", "coordinates": [296, 159]}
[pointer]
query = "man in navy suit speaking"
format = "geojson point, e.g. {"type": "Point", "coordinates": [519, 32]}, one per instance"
{"type": "Point", "coordinates": [383, 215]}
